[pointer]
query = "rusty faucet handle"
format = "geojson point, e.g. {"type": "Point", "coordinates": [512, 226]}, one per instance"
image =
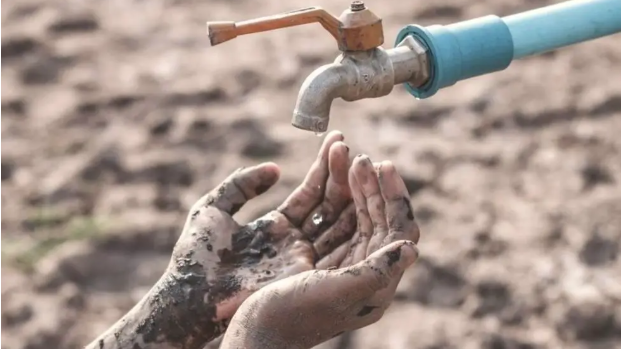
{"type": "Point", "coordinates": [357, 29]}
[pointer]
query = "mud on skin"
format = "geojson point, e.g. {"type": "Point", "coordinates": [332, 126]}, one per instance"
{"type": "Point", "coordinates": [216, 263]}
{"type": "Point", "coordinates": [181, 310]}
{"type": "Point", "coordinates": [304, 310]}
{"type": "Point", "coordinates": [180, 298]}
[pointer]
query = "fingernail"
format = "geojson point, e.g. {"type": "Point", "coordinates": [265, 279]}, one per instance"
{"type": "Point", "coordinates": [409, 254]}
{"type": "Point", "coordinates": [340, 134]}
{"type": "Point", "coordinates": [389, 166]}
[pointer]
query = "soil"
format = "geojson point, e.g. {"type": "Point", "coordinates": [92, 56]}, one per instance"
{"type": "Point", "coordinates": [117, 116]}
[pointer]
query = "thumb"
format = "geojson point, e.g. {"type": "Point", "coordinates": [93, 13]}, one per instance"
{"type": "Point", "coordinates": [241, 186]}
{"type": "Point", "coordinates": [389, 262]}
{"type": "Point", "coordinates": [383, 268]}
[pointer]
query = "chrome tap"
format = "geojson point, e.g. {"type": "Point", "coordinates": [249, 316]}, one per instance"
{"type": "Point", "coordinates": [363, 69]}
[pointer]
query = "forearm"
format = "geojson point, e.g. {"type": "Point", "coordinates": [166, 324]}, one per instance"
{"type": "Point", "coordinates": [174, 314]}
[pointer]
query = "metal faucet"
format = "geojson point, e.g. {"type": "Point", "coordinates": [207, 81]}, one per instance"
{"type": "Point", "coordinates": [424, 59]}
{"type": "Point", "coordinates": [362, 70]}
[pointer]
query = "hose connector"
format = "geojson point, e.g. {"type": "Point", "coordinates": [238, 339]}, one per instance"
{"type": "Point", "coordinates": [460, 51]}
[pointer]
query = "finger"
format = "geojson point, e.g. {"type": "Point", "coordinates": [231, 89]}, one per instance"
{"type": "Point", "coordinates": [310, 193]}
{"type": "Point", "coordinates": [385, 269]}
{"type": "Point", "coordinates": [339, 233]}
{"type": "Point", "coordinates": [241, 186]}
{"type": "Point", "coordinates": [399, 213]}
{"type": "Point", "coordinates": [353, 245]}
{"type": "Point", "coordinates": [367, 178]}
{"type": "Point", "coordinates": [334, 258]}
{"type": "Point", "coordinates": [379, 271]}
{"type": "Point", "coordinates": [390, 261]}
{"type": "Point", "coordinates": [365, 225]}
{"type": "Point", "coordinates": [337, 194]}
{"type": "Point", "coordinates": [275, 226]}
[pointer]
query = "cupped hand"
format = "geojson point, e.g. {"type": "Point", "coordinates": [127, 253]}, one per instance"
{"type": "Point", "coordinates": [358, 281]}
{"type": "Point", "coordinates": [224, 262]}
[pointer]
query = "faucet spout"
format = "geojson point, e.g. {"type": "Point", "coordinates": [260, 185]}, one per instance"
{"type": "Point", "coordinates": [312, 110]}
{"type": "Point", "coordinates": [356, 75]}
{"type": "Point", "coordinates": [352, 76]}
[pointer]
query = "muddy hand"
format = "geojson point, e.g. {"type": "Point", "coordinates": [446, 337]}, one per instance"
{"type": "Point", "coordinates": [216, 263]}
{"type": "Point", "coordinates": [238, 260]}
{"type": "Point", "coordinates": [360, 278]}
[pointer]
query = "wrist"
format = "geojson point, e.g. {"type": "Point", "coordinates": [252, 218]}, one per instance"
{"type": "Point", "coordinates": [252, 328]}
{"type": "Point", "coordinates": [174, 314]}
{"type": "Point", "coordinates": [239, 337]}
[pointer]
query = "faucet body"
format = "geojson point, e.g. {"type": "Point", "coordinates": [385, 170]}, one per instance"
{"type": "Point", "coordinates": [356, 75]}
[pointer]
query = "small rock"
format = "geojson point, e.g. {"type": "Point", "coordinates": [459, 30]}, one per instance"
{"type": "Point", "coordinates": [594, 175]}
{"type": "Point", "coordinates": [161, 127]}
{"type": "Point", "coordinates": [171, 172]}
{"type": "Point", "coordinates": [44, 70]}
{"type": "Point", "coordinates": [167, 200]}
{"type": "Point", "coordinates": [496, 341]}
{"type": "Point", "coordinates": [7, 170]}
{"type": "Point", "coordinates": [434, 285]}
{"type": "Point", "coordinates": [425, 214]}
{"type": "Point", "coordinates": [124, 101]}
{"type": "Point", "coordinates": [199, 127]}
{"type": "Point", "coordinates": [249, 80]}
{"type": "Point", "coordinates": [598, 251]}
{"type": "Point", "coordinates": [255, 142]}
{"type": "Point", "coordinates": [512, 315]}
{"type": "Point", "coordinates": [414, 184]}
{"type": "Point", "coordinates": [426, 117]}
{"type": "Point", "coordinates": [72, 296]}
{"type": "Point", "coordinates": [17, 47]}
{"type": "Point", "coordinates": [438, 10]}
{"type": "Point", "coordinates": [493, 297]}
{"type": "Point", "coordinates": [17, 107]}
{"type": "Point", "coordinates": [106, 163]}
{"type": "Point", "coordinates": [15, 314]}
{"type": "Point", "coordinates": [588, 321]}
{"type": "Point", "coordinates": [487, 246]}
{"type": "Point", "coordinates": [74, 24]}
{"type": "Point", "coordinates": [609, 106]}
{"type": "Point", "coordinates": [194, 98]}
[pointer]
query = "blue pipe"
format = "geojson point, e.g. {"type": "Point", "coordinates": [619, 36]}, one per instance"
{"type": "Point", "coordinates": [488, 44]}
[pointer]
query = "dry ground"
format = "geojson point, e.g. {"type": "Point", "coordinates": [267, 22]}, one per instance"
{"type": "Point", "coordinates": [116, 116]}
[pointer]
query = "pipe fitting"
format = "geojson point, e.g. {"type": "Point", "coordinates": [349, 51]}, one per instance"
{"type": "Point", "coordinates": [411, 62]}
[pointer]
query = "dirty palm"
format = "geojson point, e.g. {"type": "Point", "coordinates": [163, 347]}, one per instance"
{"type": "Point", "coordinates": [216, 263]}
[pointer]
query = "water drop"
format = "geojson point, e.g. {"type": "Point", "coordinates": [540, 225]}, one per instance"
{"type": "Point", "coordinates": [319, 134]}
{"type": "Point", "coordinates": [317, 219]}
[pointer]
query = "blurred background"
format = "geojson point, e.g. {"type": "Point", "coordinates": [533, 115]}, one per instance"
{"type": "Point", "coordinates": [117, 116]}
